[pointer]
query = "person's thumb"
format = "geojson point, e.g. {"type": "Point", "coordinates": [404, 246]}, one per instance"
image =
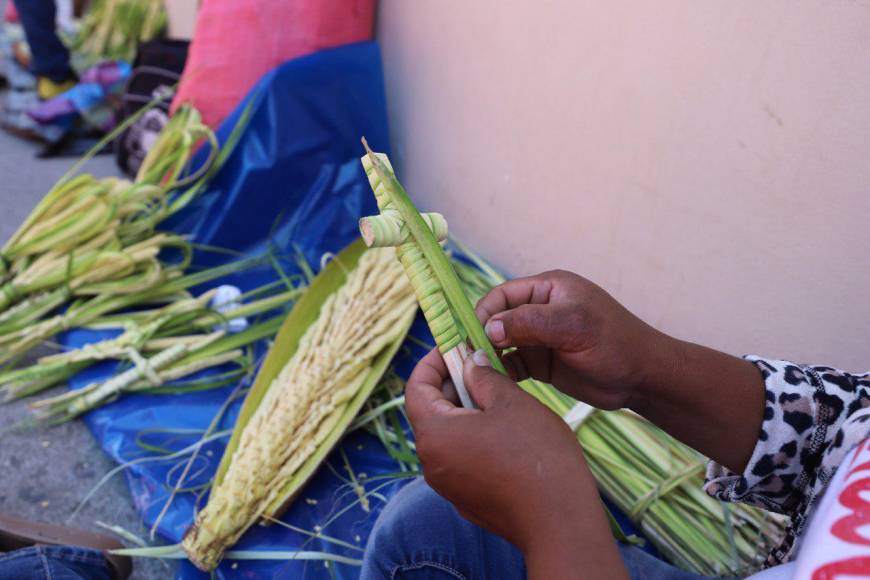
{"type": "Point", "coordinates": [485, 384]}
{"type": "Point", "coordinates": [541, 325]}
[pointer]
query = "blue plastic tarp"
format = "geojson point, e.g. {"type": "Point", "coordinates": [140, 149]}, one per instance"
{"type": "Point", "coordinates": [294, 182]}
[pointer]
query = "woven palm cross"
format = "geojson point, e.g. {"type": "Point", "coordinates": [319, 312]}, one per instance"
{"type": "Point", "coordinates": [417, 239]}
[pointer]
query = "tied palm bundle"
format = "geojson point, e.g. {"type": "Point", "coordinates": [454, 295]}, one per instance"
{"type": "Point", "coordinates": [335, 346]}
{"type": "Point", "coordinates": [651, 477]}
{"type": "Point", "coordinates": [91, 237]}
{"type": "Point", "coordinates": [159, 347]}
{"type": "Point", "coordinates": [657, 481]}
{"type": "Point", "coordinates": [113, 29]}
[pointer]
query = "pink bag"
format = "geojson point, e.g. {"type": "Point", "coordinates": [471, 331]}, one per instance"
{"type": "Point", "coordinates": [11, 14]}
{"type": "Point", "coordinates": [237, 41]}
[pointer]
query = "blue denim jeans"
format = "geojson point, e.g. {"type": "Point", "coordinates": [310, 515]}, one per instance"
{"type": "Point", "coordinates": [50, 56]}
{"type": "Point", "coordinates": [54, 563]}
{"type": "Point", "coordinates": [420, 536]}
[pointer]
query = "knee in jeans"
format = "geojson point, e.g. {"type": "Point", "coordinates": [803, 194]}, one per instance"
{"type": "Point", "coordinates": [415, 513]}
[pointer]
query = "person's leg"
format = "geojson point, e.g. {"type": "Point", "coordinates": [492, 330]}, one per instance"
{"type": "Point", "coordinates": [420, 536]}
{"type": "Point", "coordinates": [644, 566]}
{"type": "Point", "coordinates": [58, 551]}
{"type": "Point", "coordinates": [55, 563]}
{"type": "Point", "coordinates": [50, 58]}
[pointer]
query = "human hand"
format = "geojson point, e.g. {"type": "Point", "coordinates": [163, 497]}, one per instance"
{"type": "Point", "coordinates": [574, 335]}
{"type": "Point", "coordinates": [513, 467]}
{"type": "Point", "coordinates": [571, 333]}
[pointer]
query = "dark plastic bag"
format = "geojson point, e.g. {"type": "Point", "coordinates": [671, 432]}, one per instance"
{"type": "Point", "coordinates": [156, 72]}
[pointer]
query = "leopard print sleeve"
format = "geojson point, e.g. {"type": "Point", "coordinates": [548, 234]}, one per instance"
{"type": "Point", "coordinates": [813, 416]}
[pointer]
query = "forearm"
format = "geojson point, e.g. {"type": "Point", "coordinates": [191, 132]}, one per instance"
{"type": "Point", "coordinates": [707, 399]}
{"type": "Point", "coordinates": [579, 546]}
{"type": "Point", "coordinates": [570, 537]}
{"type": "Point", "coordinates": [584, 564]}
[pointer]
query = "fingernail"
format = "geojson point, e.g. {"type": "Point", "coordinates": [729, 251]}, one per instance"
{"type": "Point", "coordinates": [480, 359]}
{"type": "Point", "coordinates": [495, 330]}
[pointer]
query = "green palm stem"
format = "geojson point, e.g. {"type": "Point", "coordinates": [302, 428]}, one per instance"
{"type": "Point", "coordinates": [207, 318]}
{"type": "Point", "coordinates": [73, 403]}
{"type": "Point", "coordinates": [34, 308]}
{"type": "Point", "coordinates": [55, 202]}
{"type": "Point", "coordinates": [128, 271]}
{"type": "Point", "coordinates": [173, 363]}
{"type": "Point", "coordinates": [57, 193]}
{"type": "Point", "coordinates": [87, 216]}
{"type": "Point", "coordinates": [113, 29]}
{"type": "Point", "coordinates": [158, 330]}
{"type": "Point", "coordinates": [79, 223]}
{"type": "Point", "coordinates": [445, 306]}
{"type": "Point", "coordinates": [82, 313]}
{"type": "Point", "coordinates": [468, 325]}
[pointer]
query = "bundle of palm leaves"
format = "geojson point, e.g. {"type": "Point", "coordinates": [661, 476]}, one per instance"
{"type": "Point", "coordinates": [91, 245]}
{"type": "Point", "coordinates": [113, 29]}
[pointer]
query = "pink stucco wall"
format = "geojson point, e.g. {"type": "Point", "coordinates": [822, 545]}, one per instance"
{"type": "Point", "coordinates": [706, 162]}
